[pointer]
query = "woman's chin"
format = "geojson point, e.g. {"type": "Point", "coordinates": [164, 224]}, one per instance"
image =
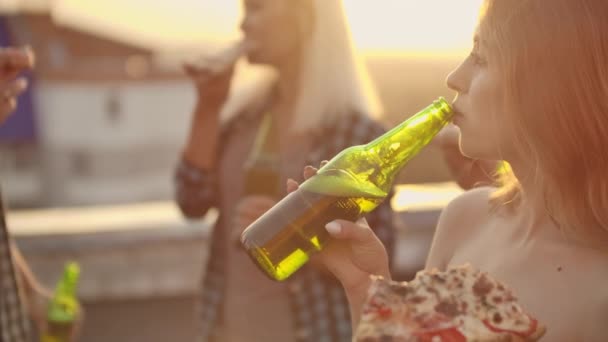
{"type": "Point", "coordinates": [254, 57]}
{"type": "Point", "coordinates": [474, 151]}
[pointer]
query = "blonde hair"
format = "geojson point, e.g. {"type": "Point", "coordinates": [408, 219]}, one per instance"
{"type": "Point", "coordinates": [333, 79]}
{"type": "Point", "coordinates": [555, 59]}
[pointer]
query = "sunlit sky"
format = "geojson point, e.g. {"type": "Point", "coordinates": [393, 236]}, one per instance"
{"type": "Point", "coordinates": [377, 25]}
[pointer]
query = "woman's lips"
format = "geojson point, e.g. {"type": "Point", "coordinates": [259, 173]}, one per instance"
{"type": "Point", "coordinates": [457, 117]}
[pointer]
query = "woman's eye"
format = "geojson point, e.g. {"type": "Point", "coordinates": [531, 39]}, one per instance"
{"type": "Point", "coordinates": [477, 60]}
{"type": "Point", "coordinates": [253, 6]}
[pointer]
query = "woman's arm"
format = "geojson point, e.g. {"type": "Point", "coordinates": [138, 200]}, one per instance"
{"type": "Point", "coordinates": [196, 190]}
{"type": "Point", "coordinates": [36, 295]}
{"type": "Point", "coordinates": [204, 134]}
{"type": "Point", "coordinates": [195, 176]}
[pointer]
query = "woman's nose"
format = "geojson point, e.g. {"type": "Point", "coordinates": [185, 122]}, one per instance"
{"type": "Point", "coordinates": [244, 25]}
{"type": "Point", "coordinates": [457, 79]}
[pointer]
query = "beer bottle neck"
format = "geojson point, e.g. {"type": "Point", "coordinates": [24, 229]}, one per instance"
{"type": "Point", "coordinates": [394, 149]}
{"type": "Point", "coordinates": [69, 281]}
{"type": "Point", "coordinates": [261, 170]}
{"type": "Point", "coordinates": [266, 141]}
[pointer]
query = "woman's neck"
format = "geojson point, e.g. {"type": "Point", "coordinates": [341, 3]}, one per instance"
{"type": "Point", "coordinates": [536, 216]}
{"type": "Point", "coordinates": [530, 208]}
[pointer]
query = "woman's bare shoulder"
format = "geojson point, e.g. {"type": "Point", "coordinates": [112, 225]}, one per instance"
{"type": "Point", "coordinates": [459, 220]}
{"type": "Point", "coordinates": [471, 205]}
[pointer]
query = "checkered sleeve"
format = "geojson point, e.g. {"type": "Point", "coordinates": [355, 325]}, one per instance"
{"type": "Point", "coordinates": [14, 323]}
{"type": "Point", "coordinates": [195, 189]}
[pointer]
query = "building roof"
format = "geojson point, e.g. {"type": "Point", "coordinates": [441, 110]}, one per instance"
{"type": "Point", "coordinates": [69, 53]}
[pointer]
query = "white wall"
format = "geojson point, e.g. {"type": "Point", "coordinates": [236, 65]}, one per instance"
{"type": "Point", "coordinates": [111, 142]}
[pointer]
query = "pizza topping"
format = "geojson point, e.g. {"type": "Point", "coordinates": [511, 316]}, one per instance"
{"type": "Point", "coordinates": [417, 299]}
{"type": "Point", "coordinates": [482, 286]}
{"type": "Point", "coordinates": [497, 318]}
{"type": "Point", "coordinates": [443, 335]}
{"type": "Point", "coordinates": [386, 338]}
{"type": "Point", "coordinates": [524, 333]}
{"type": "Point", "coordinates": [431, 322]}
{"type": "Point", "coordinates": [400, 290]}
{"type": "Point", "coordinates": [447, 308]}
{"type": "Point", "coordinates": [378, 308]}
{"type": "Point", "coordinates": [497, 299]}
{"type": "Point", "coordinates": [438, 278]}
{"type": "Point", "coordinates": [385, 312]}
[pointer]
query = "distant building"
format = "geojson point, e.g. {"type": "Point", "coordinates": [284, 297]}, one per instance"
{"type": "Point", "coordinates": [101, 124]}
{"type": "Point", "coordinates": [106, 119]}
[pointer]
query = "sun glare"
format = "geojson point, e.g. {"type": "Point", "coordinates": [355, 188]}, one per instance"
{"type": "Point", "coordinates": [412, 25]}
{"type": "Point", "coordinates": [379, 25]}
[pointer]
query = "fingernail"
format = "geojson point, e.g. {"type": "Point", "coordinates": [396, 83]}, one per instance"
{"type": "Point", "coordinates": [333, 228]}
{"type": "Point", "coordinates": [291, 183]}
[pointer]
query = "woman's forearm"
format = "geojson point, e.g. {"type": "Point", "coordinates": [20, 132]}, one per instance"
{"type": "Point", "coordinates": [35, 294]}
{"type": "Point", "coordinates": [204, 132]}
{"type": "Point", "coordinates": [30, 283]}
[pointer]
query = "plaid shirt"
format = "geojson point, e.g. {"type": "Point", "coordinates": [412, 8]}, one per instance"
{"type": "Point", "coordinates": [320, 308]}
{"type": "Point", "coordinates": [14, 325]}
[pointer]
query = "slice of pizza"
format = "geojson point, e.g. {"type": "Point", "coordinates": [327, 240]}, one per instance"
{"type": "Point", "coordinates": [458, 305]}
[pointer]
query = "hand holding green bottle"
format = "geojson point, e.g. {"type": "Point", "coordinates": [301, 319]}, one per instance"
{"type": "Point", "coordinates": [350, 185]}
{"type": "Point", "coordinates": [356, 252]}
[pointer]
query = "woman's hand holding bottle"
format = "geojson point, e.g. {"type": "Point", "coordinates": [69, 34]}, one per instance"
{"type": "Point", "coordinates": [354, 254]}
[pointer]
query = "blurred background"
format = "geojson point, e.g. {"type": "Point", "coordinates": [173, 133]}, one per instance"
{"type": "Point", "coordinates": [86, 163]}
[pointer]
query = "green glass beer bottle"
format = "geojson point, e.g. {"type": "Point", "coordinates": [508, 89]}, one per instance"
{"type": "Point", "coordinates": [351, 184]}
{"type": "Point", "coordinates": [63, 309]}
{"type": "Point", "coordinates": [261, 170]}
